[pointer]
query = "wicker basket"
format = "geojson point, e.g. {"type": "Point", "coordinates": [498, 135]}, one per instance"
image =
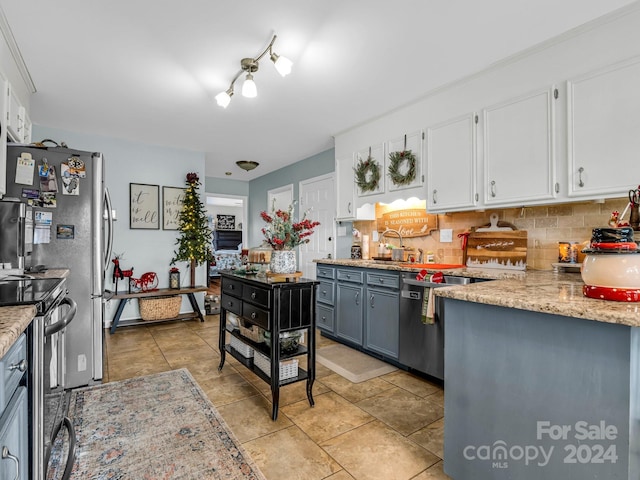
{"type": "Point", "coordinates": [288, 368]}
{"type": "Point", "coordinates": [159, 308]}
{"type": "Point", "coordinates": [252, 332]}
{"type": "Point", "coordinates": [243, 349]}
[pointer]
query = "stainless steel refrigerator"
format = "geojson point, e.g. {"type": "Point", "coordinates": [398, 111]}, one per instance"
{"type": "Point", "coordinates": [79, 237]}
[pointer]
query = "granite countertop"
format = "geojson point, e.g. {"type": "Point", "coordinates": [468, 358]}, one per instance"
{"type": "Point", "coordinates": [547, 292]}
{"type": "Point", "coordinates": [14, 321]}
{"type": "Point", "coordinates": [481, 273]}
{"type": "Point", "coordinates": [533, 290]}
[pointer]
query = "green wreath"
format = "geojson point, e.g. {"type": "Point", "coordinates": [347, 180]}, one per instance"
{"type": "Point", "coordinates": [396, 159]}
{"type": "Point", "coordinates": [368, 166]}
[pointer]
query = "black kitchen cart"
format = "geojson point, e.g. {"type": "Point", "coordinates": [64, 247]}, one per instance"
{"type": "Point", "coordinates": [275, 307]}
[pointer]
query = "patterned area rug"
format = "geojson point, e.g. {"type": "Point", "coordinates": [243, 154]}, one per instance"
{"type": "Point", "coordinates": [159, 426]}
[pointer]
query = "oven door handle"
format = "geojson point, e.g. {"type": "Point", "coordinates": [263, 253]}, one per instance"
{"type": "Point", "coordinates": [71, 454]}
{"type": "Point", "coordinates": [56, 327]}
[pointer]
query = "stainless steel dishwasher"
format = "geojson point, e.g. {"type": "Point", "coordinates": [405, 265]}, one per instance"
{"type": "Point", "coordinates": [421, 346]}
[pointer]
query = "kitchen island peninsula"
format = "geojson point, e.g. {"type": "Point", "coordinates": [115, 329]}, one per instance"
{"type": "Point", "coordinates": [274, 309]}
{"type": "Point", "coordinates": [541, 382]}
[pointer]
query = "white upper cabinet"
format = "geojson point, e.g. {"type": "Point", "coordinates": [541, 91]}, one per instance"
{"type": "Point", "coordinates": [16, 114]}
{"type": "Point", "coordinates": [4, 85]}
{"type": "Point", "coordinates": [28, 126]}
{"type": "Point", "coordinates": [345, 189]}
{"type": "Point", "coordinates": [404, 162]}
{"type": "Point", "coordinates": [604, 130]}
{"type": "Point", "coordinates": [451, 164]}
{"type": "Point", "coordinates": [519, 160]}
{"type": "Point", "coordinates": [369, 165]}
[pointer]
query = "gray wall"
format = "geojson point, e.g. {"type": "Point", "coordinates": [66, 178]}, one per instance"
{"type": "Point", "coordinates": [226, 186]}
{"type": "Point", "coordinates": [320, 164]}
{"type": "Point", "coordinates": [129, 162]}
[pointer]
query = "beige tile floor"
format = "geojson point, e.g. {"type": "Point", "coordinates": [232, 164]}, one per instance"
{"type": "Point", "coordinates": [390, 427]}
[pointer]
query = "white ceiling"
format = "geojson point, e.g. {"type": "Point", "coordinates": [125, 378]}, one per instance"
{"type": "Point", "coordinates": [147, 70]}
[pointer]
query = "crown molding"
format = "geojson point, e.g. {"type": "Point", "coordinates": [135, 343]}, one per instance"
{"type": "Point", "coordinates": [15, 52]}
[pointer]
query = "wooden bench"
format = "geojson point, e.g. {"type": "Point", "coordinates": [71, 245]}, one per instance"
{"type": "Point", "coordinates": [124, 297]}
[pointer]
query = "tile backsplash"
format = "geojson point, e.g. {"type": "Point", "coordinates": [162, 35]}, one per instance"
{"type": "Point", "coordinates": [545, 225]}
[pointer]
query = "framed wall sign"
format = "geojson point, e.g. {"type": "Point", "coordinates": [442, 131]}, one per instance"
{"type": "Point", "coordinates": [226, 222]}
{"type": "Point", "coordinates": [144, 206]}
{"type": "Point", "coordinates": [172, 200]}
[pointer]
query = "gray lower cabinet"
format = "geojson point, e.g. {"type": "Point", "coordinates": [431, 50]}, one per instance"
{"type": "Point", "coordinates": [349, 312]}
{"type": "Point", "coordinates": [325, 299]}
{"type": "Point", "coordinates": [381, 324]}
{"type": "Point", "coordinates": [14, 420]}
{"type": "Point", "coordinates": [382, 313]}
{"type": "Point", "coordinates": [325, 318]}
{"type": "Point", "coordinates": [366, 308]}
{"type": "Point", "coordinates": [14, 449]}
{"type": "Point", "coordinates": [325, 306]}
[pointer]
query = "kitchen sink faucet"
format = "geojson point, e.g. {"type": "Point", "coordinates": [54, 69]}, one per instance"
{"type": "Point", "coordinates": [389, 230]}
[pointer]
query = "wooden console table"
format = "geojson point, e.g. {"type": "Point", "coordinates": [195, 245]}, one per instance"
{"type": "Point", "coordinates": [124, 297]}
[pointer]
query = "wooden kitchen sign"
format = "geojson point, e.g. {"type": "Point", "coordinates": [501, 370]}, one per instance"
{"type": "Point", "coordinates": [411, 222]}
{"type": "Point", "coordinates": [499, 249]}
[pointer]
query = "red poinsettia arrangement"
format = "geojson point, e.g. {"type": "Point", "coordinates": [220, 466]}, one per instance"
{"type": "Point", "coordinates": [283, 233]}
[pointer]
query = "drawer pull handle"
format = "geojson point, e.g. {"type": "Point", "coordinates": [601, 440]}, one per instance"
{"type": "Point", "coordinates": [20, 366]}
{"type": "Point", "coordinates": [324, 292]}
{"type": "Point", "coordinates": [7, 454]}
{"type": "Point", "coordinates": [231, 287]}
{"type": "Point", "coordinates": [230, 304]}
{"type": "Point", "coordinates": [253, 315]}
{"type": "Point", "coordinates": [253, 295]}
{"type": "Point", "coordinates": [382, 280]}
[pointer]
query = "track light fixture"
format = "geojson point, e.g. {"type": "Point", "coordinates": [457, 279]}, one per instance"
{"type": "Point", "coordinates": [250, 66]}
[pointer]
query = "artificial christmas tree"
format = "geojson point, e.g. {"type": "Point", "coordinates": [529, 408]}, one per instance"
{"type": "Point", "coordinates": [194, 243]}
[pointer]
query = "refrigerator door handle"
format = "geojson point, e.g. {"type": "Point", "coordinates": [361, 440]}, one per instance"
{"type": "Point", "coordinates": [109, 218]}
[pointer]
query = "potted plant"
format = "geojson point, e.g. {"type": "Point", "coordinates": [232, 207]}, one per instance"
{"type": "Point", "coordinates": [282, 233]}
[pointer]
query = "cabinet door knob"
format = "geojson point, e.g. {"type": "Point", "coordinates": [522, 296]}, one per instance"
{"type": "Point", "coordinates": [580, 172]}
{"type": "Point", "coordinates": [253, 315]}
{"type": "Point", "coordinates": [21, 366]}
{"type": "Point", "coordinates": [7, 454]}
{"type": "Point", "coordinates": [253, 295]}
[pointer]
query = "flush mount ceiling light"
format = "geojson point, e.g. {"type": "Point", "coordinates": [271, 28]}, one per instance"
{"type": "Point", "coordinates": [247, 164]}
{"type": "Point", "coordinates": [250, 66]}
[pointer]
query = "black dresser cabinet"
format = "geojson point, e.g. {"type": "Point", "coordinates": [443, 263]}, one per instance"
{"type": "Point", "coordinates": [275, 307]}
{"type": "Point", "coordinates": [226, 239]}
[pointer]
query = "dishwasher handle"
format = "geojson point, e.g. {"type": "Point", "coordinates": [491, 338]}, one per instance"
{"type": "Point", "coordinates": [423, 284]}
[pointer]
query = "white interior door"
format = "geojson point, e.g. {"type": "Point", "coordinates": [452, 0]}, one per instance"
{"type": "Point", "coordinates": [280, 198]}
{"type": "Point", "coordinates": [317, 195]}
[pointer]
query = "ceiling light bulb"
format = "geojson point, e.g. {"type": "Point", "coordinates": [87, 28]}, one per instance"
{"type": "Point", "coordinates": [249, 89]}
{"type": "Point", "coordinates": [224, 98]}
{"type": "Point", "coordinates": [282, 64]}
